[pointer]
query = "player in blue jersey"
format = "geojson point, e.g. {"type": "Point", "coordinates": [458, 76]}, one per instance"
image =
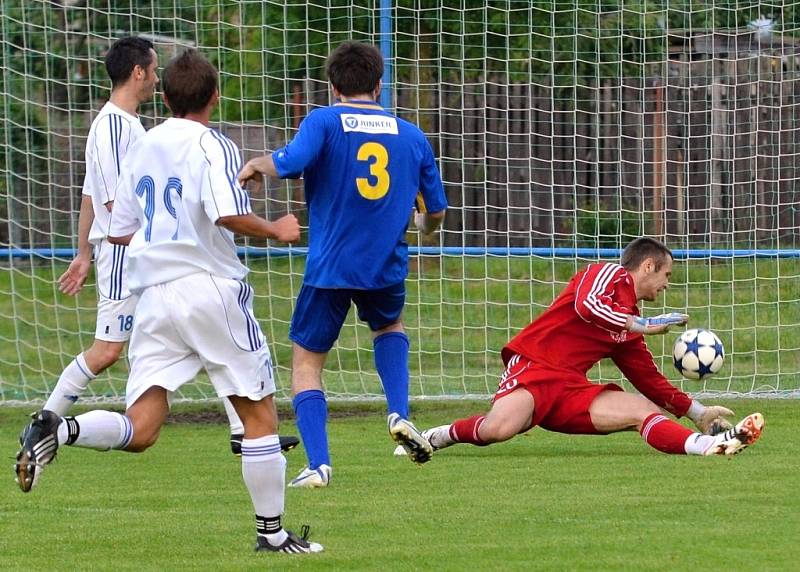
{"type": "Point", "coordinates": [364, 170]}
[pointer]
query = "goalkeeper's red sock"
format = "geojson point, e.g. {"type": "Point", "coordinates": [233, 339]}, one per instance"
{"type": "Point", "coordinates": [466, 430]}
{"type": "Point", "coordinates": [665, 435]}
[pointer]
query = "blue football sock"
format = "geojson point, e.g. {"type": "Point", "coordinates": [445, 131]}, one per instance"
{"type": "Point", "coordinates": [391, 361]}
{"type": "Point", "coordinates": [312, 419]}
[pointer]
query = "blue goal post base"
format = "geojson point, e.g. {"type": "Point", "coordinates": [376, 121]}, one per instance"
{"type": "Point", "coordinates": [542, 252]}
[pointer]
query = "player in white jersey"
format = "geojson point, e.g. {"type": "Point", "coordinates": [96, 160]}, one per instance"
{"type": "Point", "coordinates": [131, 64]}
{"type": "Point", "coordinates": [178, 204]}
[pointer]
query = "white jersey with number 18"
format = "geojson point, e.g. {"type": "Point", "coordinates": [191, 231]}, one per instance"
{"type": "Point", "coordinates": [177, 181]}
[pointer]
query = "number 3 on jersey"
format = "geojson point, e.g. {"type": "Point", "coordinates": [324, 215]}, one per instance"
{"type": "Point", "coordinates": [378, 157]}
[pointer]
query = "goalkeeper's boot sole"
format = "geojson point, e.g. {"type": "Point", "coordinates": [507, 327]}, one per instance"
{"type": "Point", "coordinates": [438, 437]}
{"type": "Point", "coordinates": [312, 478]}
{"type": "Point", "coordinates": [405, 434]}
{"type": "Point", "coordinates": [292, 545]}
{"type": "Point", "coordinates": [735, 440]}
{"type": "Point", "coordinates": [288, 442]}
{"type": "Point", "coordinates": [38, 448]}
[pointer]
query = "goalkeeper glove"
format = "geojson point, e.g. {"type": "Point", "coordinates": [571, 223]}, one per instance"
{"type": "Point", "coordinates": [709, 420]}
{"type": "Point", "coordinates": [657, 324]}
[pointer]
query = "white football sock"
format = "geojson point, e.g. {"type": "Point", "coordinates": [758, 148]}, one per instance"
{"type": "Point", "coordinates": [71, 385]}
{"type": "Point", "coordinates": [698, 444]}
{"type": "Point", "coordinates": [101, 430]}
{"type": "Point", "coordinates": [237, 428]}
{"type": "Point", "coordinates": [264, 472]}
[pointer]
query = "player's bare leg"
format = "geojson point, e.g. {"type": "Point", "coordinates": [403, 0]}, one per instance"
{"type": "Point", "coordinates": [103, 354]}
{"type": "Point", "coordinates": [613, 411]}
{"type": "Point", "coordinates": [510, 415]}
{"type": "Point", "coordinates": [311, 410]}
{"type": "Point", "coordinates": [306, 369]}
{"type": "Point", "coordinates": [147, 416]}
{"type": "Point", "coordinates": [264, 473]}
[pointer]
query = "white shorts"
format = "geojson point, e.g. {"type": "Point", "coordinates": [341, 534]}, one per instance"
{"type": "Point", "coordinates": [199, 322]}
{"type": "Point", "coordinates": [115, 303]}
{"type": "Point", "coordinates": [110, 269]}
{"type": "Point", "coordinates": [115, 319]}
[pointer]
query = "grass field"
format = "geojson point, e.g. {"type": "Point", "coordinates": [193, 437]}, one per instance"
{"type": "Point", "coordinates": [539, 502]}
{"type": "Point", "coordinates": [459, 313]}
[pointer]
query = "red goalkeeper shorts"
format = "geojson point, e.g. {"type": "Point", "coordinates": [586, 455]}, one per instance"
{"type": "Point", "coordinates": [561, 398]}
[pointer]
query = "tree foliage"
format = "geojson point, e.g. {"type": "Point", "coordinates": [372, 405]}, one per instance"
{"type": "Point", "coordinates": [260, 48]}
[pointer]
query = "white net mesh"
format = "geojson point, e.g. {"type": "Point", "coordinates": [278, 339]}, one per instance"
{"type": "Point", "coordinates": [563, 130]}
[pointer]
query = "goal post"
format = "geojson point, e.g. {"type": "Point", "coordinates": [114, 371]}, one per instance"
{"type": "Point", "coordinates": [562, 129]}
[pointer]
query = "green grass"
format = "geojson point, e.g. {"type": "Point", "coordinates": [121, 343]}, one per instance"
{"type": "Point", "coordinates": [460, 312]}
{"type": "Point", "coordinates": [542, 501]}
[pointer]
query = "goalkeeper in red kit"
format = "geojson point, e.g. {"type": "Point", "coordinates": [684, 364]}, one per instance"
{"type": "Point", "coordinates": [596, 317]}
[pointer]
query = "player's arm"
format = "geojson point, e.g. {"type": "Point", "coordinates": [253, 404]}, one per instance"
{"type": "Point", "coordinates": [121, 240]}
{"type": "Point", "coordinates": [596, 302]}
{"type": "Point", "coordinates": [255, 169]}
{"type": "Point", "coordinates": [636, 362]}
{"type": "Point", "coordinates": [431, 202]}
{"type": "Point", "coordinates": [111, 141]}
{"type": "Point", "coordinates": [290, 161]}
{"type": "Point", "coordinates": [427, 223]}
{"type": "Point", "coordinates": [73, 279]}
{"type": "Point", "coordinates": [126, 217]}
{"type": "Point", "coordinates": [656, 324]}
{"type": "Point", "coordinates": [284, 229]}
{"type": "Point", "coordinates": [596, 297]}
{"type": "Point", "coordinates": [227, 203]}
{"type": "Point", "coordinates": [113, 132]}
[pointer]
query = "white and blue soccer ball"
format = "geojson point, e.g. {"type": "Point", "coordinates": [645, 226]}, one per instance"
{"type": "Point", "coordinates": [698, 354]}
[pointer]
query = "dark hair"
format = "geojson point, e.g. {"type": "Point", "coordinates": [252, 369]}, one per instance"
{"type": "Point", "coordinates": [354, 68]}
{"type": "Point", "coordinates": [641, 249]}
{"type": "Point", "coordinates": [124, 55]}
{"type": "Point", "coordinates": [188, 82]}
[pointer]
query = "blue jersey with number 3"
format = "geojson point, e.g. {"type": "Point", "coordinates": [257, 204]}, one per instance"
{"type": "Point", "coordinates": [364, 170]}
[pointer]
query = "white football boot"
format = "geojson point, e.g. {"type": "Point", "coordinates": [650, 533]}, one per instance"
{"type": "Point", "coordinates": [312, 478]}
{"type": "Point", "coordinates": [405, 434]}
{"type": "Point", "coordinates": [735, 440]}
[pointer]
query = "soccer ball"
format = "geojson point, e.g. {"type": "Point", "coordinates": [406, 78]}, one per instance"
{"type": "Point", "coordinates": [698, 354]}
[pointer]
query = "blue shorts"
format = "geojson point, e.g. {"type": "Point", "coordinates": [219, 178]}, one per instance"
{"type": "Point", "coordinates": [320, 312]}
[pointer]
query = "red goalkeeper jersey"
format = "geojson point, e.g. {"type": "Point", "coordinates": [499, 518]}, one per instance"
{"type": "Point", "coordinates": [586, 323]}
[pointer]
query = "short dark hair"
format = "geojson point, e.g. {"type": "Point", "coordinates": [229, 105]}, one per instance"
{"type": "Point", "coordinates": [124, 55]}
{"type": "Point", "coordinates": [641, 249]}
{"type": "Point", "coordinates": [188, 81]}
{"type": "Point", "coordinates": [354, 68]}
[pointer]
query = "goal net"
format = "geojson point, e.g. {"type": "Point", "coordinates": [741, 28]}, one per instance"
{"type": "Point", "coordinates": [563, 130]}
